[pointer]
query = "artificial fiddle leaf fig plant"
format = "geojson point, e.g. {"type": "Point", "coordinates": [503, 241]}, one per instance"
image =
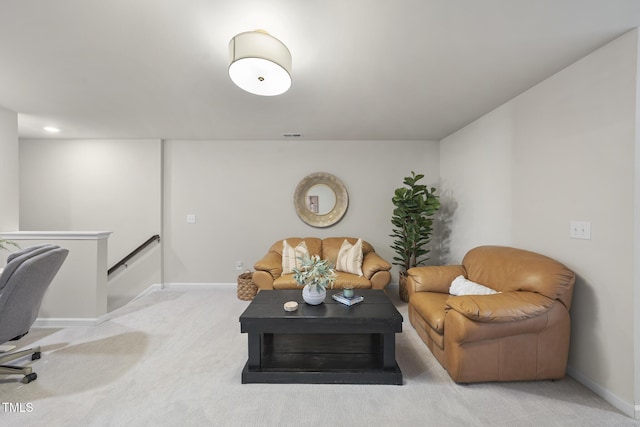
{"type": "Point", "coordinates": [415, 206]}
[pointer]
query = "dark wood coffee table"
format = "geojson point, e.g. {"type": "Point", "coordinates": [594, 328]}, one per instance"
{"type": "Point", "coordinates": [330, 343]}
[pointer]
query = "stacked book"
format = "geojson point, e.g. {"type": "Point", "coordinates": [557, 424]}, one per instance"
{"type": "Point", "coordinates": [347, 301]}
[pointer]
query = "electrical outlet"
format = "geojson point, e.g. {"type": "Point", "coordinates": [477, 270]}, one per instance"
{"type": "Point", "coordinates": [239, 265]}
{"type": "Point", "coordinates": [191, 219]}
{"type": "Point", "coordinates": [580, 230]}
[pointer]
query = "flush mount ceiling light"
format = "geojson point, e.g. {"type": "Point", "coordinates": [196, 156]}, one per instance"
{"type": "Point", "coordinates": [260, 63]}
{"type": "Point", "coordinates": [51, 129]}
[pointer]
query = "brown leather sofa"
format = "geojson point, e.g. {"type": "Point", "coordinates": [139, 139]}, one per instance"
{"type": "Point", "coordinates": [520, 333]}
{"type": "Point", "coordinates": [375, 269]}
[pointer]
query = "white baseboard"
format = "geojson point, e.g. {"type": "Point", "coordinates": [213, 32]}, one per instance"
{"type": "Point", "coordinates": [186, 286]}
{"type": "Point", "coordinates": [65, 322]}
{"type": "Point", "coordinates": [629, 409]}
{"type": "Point", "coordinates": [152, 288]}
{"type": "Point", "coordinates": [179, 286]}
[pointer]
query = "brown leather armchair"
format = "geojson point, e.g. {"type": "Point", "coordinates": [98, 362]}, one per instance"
{"type": "Point", "coordinates": [375, 269]}
{"type": "Point", "coordinates": [520, 333]}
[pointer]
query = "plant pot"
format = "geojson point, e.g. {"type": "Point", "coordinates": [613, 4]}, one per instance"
{"type": "Point", "coordinates": [402, 286]}
{"type": "Point", "coordinates": [313, 295]}
{"type": "Point", "coordinates": [348, 292]}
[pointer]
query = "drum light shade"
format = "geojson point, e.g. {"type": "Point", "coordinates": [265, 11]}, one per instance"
{"type": "Point", "coordinates": [260, 63]}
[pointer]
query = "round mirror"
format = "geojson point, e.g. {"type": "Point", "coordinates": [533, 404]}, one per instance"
{"type": "Point", "coordinates": [320, 199]}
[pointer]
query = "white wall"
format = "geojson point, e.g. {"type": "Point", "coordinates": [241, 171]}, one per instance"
{"type": "Point", "coordinates": [9, 187]}
{"type": "Point", "coordinates": [475, 173]}
{"type": "Point", "coordinates": [636, 234]}
{"type": "Point", "coordinates": [98, 185]}
{"type": "Point", "coordinates": [242, 195]}
{"type": "Point", "coordinates": [80, 185]}
{"type": "Point", "coordinates": [78, 294]}
{"type": "Point", "coordinates": [574, 157]}
{"type": "Point", "coordinates": [567, 147]}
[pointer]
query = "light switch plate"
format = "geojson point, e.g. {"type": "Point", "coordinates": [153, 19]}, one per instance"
{"type": "Point", "coordinates": [580, 230]}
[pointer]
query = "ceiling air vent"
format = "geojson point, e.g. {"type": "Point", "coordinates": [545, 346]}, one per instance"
{"type": "Point", "coordinates": [292, 135]}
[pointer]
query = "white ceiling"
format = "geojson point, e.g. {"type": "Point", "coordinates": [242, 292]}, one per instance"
{"type": "Point", "coordinates": [362, 69]}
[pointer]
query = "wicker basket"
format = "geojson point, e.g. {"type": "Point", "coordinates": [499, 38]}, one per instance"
{"type": "Point", "coordinates": [247, 290]}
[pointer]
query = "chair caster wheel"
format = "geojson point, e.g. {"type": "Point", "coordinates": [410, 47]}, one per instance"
{"type": "Point", "coordinates": [30, 377]}
{"type": "Point", "coordinates": [36, 355]}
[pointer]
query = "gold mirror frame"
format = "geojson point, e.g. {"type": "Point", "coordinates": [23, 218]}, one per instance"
{"type": "Point", "coordinates": [335, 214]}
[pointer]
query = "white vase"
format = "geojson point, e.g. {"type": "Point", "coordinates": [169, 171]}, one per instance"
{"type": "Point", "coordinates": [313, 295]}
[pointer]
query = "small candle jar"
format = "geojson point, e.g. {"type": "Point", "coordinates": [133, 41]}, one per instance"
{"type": "Point", "coordinates": [348, 292]}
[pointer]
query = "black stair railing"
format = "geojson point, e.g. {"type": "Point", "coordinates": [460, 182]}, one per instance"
{"type": "Point", "coordinates": [136, 251]}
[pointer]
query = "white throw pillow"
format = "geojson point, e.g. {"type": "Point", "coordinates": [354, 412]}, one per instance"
{"type": "Point", "coordinates": [462, 286]}
{"type": "Point", "coordinates": [291, 255]}
{"type": "Point", "coordinates": [350, 258]}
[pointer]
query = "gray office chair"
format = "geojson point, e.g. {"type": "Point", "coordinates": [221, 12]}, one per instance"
{"type": "Point", "coordinates": [23, 283]}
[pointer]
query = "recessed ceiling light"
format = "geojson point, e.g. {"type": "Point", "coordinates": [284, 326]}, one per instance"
{"type": "Point", "coordinates": [51, 129]}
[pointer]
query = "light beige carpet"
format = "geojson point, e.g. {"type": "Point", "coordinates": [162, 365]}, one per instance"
{"type": "Point", "coordinates": [174, 357]}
